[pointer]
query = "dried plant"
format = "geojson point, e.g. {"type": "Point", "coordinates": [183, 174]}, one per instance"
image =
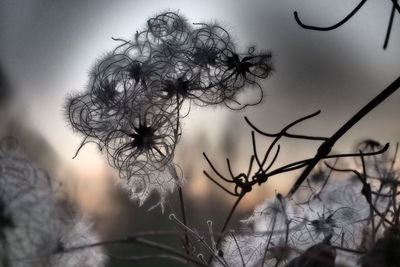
{"type": "Point", "coordinates": [132, 106]}
{"type": "Point", "coordinates": [34, 227]}
{"type": "Point", "coordinates": [136, 98]}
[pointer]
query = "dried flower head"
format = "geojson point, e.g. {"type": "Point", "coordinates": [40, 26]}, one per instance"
{"type": "Point", "coordinates": [147, 136]}
{"type": "Point", "coordinates": [337, 211]}
{"type": "Point", "coordinates": [27, 211]}
{"type": "Point", "coordinates": [132, 105]}
{"type": "Point", "coordinates": [33, 225]}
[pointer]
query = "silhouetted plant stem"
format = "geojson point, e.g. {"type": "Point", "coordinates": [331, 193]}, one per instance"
{"type": "Point", "coordinates": [363, 178]}
{"type": "Point", "coordinates": [268, 242]}
{"type": "Point", "coordinates": [284, 131]}
{"type": "Point", "coordinates": [327, 145]}
{"type": "Point", "coordinates": [327, 178]}
{"type": "Point", "coordinates": [149, 258]}
{"type": "Point", "coordinates": [226, 223]}
{"type": "Point", "coordinates": [396, 5]}
{"type": "Point", "coordinates": [360, 252]}
{"type": "Point", "coordinates": [158, 246]}
{"type": "Point", "coordinates": [395, 208]}
{"type": "Point", "coordinates": [142, 241]}
{"type": "Point", "coordinates": [240, 252]}
{"type": "Point", "coordinates": [335, 26]}
{"type": "Point", "coordinates": [389, 29]}
{"type": "Point", "coordinates": [183, 211]}
{"type": "Point", "coordinates": [230, 216]}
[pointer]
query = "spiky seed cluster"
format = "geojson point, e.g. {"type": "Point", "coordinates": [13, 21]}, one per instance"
{"type": "Point", "coordinates": [132, 106]}
{"type": "Point", "coordinates": [32, 223]}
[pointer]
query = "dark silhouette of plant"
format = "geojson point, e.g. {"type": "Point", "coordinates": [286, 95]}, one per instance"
{"type": "Point", "coordinates": [132, 108]}
{"type": "Point", "coordinates": [322, 254]}
{"type": "Point", "coordinates": [136, 98]}
{"type": "Point", "coordinates": [395, 7]}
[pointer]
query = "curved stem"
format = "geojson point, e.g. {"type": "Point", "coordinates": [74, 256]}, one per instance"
{"type": "Point", "coordinates": [335, 26]}
{"type": "Point", "coordinates": [284, 132]}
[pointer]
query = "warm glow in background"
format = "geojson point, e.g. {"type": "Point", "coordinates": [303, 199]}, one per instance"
{"type": "Point", "coordinates": [48, 47]}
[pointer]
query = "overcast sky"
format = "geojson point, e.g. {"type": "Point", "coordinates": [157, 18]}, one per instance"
{"type": "Point", "coordinates": [47, 48]}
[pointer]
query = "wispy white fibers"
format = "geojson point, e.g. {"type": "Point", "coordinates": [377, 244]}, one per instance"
{"type": "Point", "coordinates": [332, 214]}
{"type": "Point", "coordinates": [242, 250]}
{"type": "Point", "coordinates": [266, 241]}
{"type": "Point", "coordinates": [132, 107]}
{"type": "Point", "coordinates": [33, 225]}
{"type": "Point", "coordinates": [77, 234]}
{"type": "Point", "coordinates": [273, 213]}
{"type": "Point", "coordinates": [28, 212]}
{"type": "Point", "coordinates": [162, 180]}
{"type": "Point", "coordinates": [338, 209]}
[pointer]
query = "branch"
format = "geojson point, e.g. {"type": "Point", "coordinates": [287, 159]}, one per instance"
{"type": "Point", "coordinates": [284, 132]}
{"type": "Point", "coordinates": [142, 241]}
{"type": "Point", "coordinates": [335, 26]}
{"type": "Point", "coordinates": [326, 146]}
{"type": "Point", "coordinates": [389, 28]}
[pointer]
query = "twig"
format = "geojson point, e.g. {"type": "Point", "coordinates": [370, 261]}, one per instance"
{"type": "Point", "coordinates": [327, 145]}
{"type": "Point", "coordinates": [183, 211]}
{"type": "Point", "coordinates": [335, 26]}
{"type": "Point", "coordinates": [389, 28]}
{"type": "Point", "coordinates": [141, 241]}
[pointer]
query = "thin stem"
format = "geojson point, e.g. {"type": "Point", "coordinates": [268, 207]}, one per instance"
{"type": "Point", "coordinates": [335, 26]}
{"type": "Point", "coordinates": [230, 216]}
{"type": "Point", "coordinates": [253, 139]}
{"type": "Point", "coordinates": [215, 170]}
{"type": "Point", "coordinates": [360, 252]}
{"type": "Point", "coordinates": [327, 178]}
{"type": "Point", "coordinates": [396, 5]}
{"type": "Point", "coordinates": [240, 252]}
{"type": "Point", "coordinates": [152, 244]}
{"type": "Point", "coordinates": [183, 211]}
{"type": "Point", "coordinates": [368, 197]}
{"type": "Point", "coordinates": [218, 184]}
{"type": "Point", "coordinates": [284, 132]}
{"type": "Point", "coordinates": [227, 222]}
{"type": "Point", "coordinates": [149, 257]}
{"type": "Point", "coordinates": [326, 146]}
{"type": "Point", "coordinates": [389, 28]}
{"type": "Point", "coordinates": [199, 238]}
{"type": "Point", "coordinates": [138, 240]}
{"type": "Point", "coordinates": [269, 241]}
{"type": "Point", "coordinates": [274, 159]}
{"type": "Point", "coordinates": [269, 150]}
{"type": "Point", "coordinates": [396, 210]}
{"type": "Point", "coordinates": [303, 163]}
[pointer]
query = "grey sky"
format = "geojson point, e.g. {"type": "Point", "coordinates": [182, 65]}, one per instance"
{"type": "Point", "coordinates": [47, 48]}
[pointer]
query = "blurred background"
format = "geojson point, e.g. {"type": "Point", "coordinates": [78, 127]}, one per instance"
{"type": "Point", "coordinates": [48, 47]}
